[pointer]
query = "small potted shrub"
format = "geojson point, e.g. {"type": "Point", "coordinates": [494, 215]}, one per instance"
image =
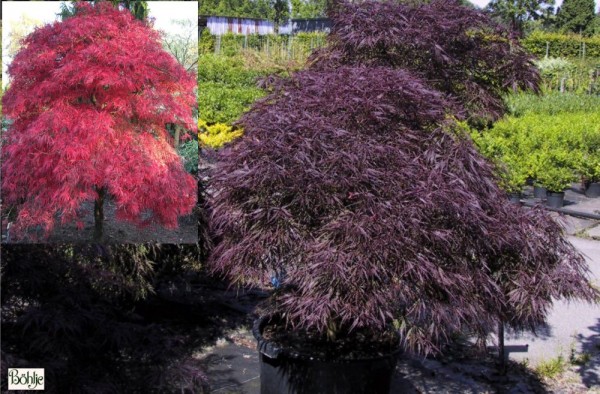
{"type": "Point", "coordinates": [513, 179]}
{"type": "Point", "coordinates": [379, 225]}
{"type": "Point", "coordinates": [589, 164]}
{"type": "Point", "coordinates": [557, 175]}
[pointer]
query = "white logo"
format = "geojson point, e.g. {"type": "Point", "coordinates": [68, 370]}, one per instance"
{"type": "Point", "coordinates": [26, 379]}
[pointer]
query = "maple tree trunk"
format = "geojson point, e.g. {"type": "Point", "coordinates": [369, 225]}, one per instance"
{"type": "Point", "coordinates": [99, 214]}
{"type": "Point", "coordinates": [176, 138]}
{"type": "Point", "coordinates": [501, 356]}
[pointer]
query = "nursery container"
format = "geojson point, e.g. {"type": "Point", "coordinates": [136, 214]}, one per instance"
{"type": "Point", "coordinates": [514, 198]}
{"type": "Point", "coordinates": [540, 192]}
{"type": "Point", "coordinates": [284, 371]}
{"type": "Point", "coordinates": [593, 190]}
{"type": "Point", "coordinates": [555, 200]}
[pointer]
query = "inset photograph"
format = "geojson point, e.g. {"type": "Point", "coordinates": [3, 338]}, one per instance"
{"type": "Point", "coordinates": [99, 126]}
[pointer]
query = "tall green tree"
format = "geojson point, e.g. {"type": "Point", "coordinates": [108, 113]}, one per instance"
{"type": "Point", "coordinates": [576, 16]}
{"type": "Point", "coordinates": [281, 12]}
{"type": "Point", "coordinates": [262, 9]}
{"type": "Point", "coordinates": [308, 8]}
{"type": "Point", "coordinates": [517, 13]}
{"type": "Point", "coordinates": [138, 8]}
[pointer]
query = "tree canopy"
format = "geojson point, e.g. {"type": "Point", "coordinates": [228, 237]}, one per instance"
{"type": "Point", "coordinates": [516, 13]}
{"type": "Point", "coordinates": [356, 191]}
{"type": "Point", "coordinates": [261, 9]}
{"type": "Point", "coordinates": [89, 100]}
{"type": "Point", "coordinates": [576, 16]}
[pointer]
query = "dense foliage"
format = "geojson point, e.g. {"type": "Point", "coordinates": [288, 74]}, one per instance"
{"type": "Point", "coordinates": [90, 98]}
{"type": "Point", "coordinates": [217, 135]}
{"type": "Point", "coordinates": [439, 48]}
{"type": "Point", "coordinates": [576, 16]}
{"type": "Point", "coordinates": [308, 8]}
{"type": "Point", "coordinates": [517, 13]}
{"type": "Point", "coordinates": [77, 311]}
{"type": "Point", "coordinates": [227, 88]}
{"type": "Point", "coordinates": [554, 150]}
{"type": "Point", "coordinates": [554, 140]}
{"type": "Point", "coordinates": [354, 190]}
{"type": "Point", "coordinates": [542, 43]}
{"type": "Point", "coordinates": [276, 10]}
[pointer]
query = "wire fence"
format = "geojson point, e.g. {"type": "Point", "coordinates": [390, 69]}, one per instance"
{"type": "Point", "coordinates": [273, 47]}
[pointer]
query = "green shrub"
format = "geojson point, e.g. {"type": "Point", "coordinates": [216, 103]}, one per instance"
{"type": "Point", "coordinates": [189, 152]}
{"type": "Point", "coordinates": [206, 43]}
{"type": "Point", "coordinates": [222, 103]}
{"type": "Point", "coordinates": [555, 150]}
{"type": "Point", "coordinates": [561, 45]}
{"type": "Point", "coordinates": [227, 70]}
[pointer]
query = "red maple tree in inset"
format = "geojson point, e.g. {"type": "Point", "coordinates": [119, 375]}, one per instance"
{"type": "Point", "coordinates": [89, 99]}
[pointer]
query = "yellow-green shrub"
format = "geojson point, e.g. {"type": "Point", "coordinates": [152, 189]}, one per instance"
{"type": "Point", "coordinates": [216, 135]}
{"type": "Point", "coordinates": [555, 150]}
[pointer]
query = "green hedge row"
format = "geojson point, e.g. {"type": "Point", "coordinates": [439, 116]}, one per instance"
{"type": "Point", "coordinates": [562, 45]}
{"type": "Point", "coordinates": [545, 143]}
{"type": "Point", "coordinates": [538, 43]}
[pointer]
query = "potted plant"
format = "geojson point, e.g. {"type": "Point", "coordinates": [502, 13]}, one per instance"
{"type": "Point", "coordinates": [557, 174]}
{"type": "Point", "coordinates": [370, 211]}
{"type": "Point", "coordinates": [514, 178]}
{"type": "Point", "coordinates": [589, 163]}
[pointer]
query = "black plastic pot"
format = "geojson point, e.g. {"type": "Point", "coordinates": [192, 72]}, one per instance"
{"type": "Point", "coordinates": [593, 190]}
{"type": "Point", "coordinates": [540, 192]}
{"type": "Point", "coordinates": [283, 371]}
{"type": "Point", "coordinates": [514, 198]}
{"type": "Point", "coordinates": [555, 200]}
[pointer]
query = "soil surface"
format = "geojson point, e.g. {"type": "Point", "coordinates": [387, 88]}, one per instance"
{"type": "Point", "coordinates": [115, 231]}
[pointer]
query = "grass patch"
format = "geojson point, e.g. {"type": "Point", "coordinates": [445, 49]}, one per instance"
{"type": "Point", "coordinates": [551, 103]}
{"type": "Point", "coordinates": [551, 368]}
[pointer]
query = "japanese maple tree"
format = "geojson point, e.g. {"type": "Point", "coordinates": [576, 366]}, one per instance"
{"type": "Point", "coordinates": [358, 195]}
{"type": "Point", "coordinates": [89, 100]}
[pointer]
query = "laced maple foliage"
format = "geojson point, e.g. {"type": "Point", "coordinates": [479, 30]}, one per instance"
{"type": "Point", "coordinates": [458, 50]}
{"type": "Point", "coordinates": [355, 192]}
{"type": "Point", "coordinates": [89, 99]}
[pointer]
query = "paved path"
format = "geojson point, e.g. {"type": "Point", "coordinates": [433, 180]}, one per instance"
{"type": "Point", "coordinates": [572, 325]}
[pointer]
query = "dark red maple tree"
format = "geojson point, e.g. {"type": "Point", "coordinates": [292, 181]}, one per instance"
{"type": "Point", "coordinates": [89, 99]}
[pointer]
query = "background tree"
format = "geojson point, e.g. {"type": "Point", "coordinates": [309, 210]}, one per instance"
{"type": "Point", "coordinates": [281, 12]}
{"type": "Point", "coordinates": [138, 8]}
{"type": "Point", "coordinates": [21, 29]}
{"type": "Point", "coordinates": [261, 9]}
{"type": "Point", "coordinates": [183, 45]}
{"type": "Point", "coordinates": [576, 16]}
{"type": "Point", "coordinates": [90, 98]}
{"type": "Point", "coordinates": [516, 13]}
{"type": "Point", "coordinates": [308, 8]}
